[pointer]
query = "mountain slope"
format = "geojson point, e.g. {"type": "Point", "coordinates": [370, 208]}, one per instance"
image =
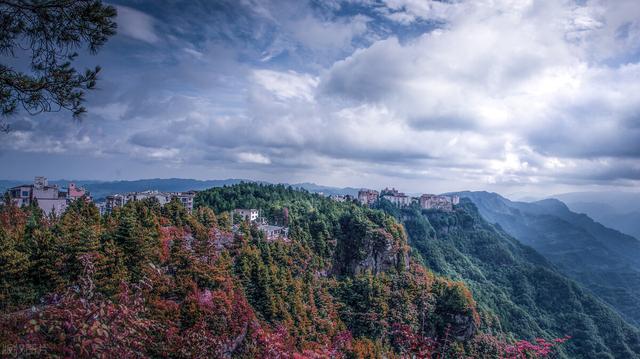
{"type": "Point", "coordinates": [153, 281]}
{"type": "Point", "coordinates": [515, 287]}
{"type": "Point", "coordinates": [602, 259]}
{"type": "Point", "coordinates": [614, 209]}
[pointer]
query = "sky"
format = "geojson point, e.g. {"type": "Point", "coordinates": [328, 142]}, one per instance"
{"type": "Point", "coordinates": [514, 96]}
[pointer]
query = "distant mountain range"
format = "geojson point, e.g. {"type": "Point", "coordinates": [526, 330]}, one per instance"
{"type": "Point", "coordinates": [100, 189]}
{"type": "Point", "coordinates": [614, 209]}
{"type": "Point", "coordinates": [521, 290]}
{"type": "Point", "coordinates": [604, 260]}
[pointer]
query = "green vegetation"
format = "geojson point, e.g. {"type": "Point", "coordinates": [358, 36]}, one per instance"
{"type": "Point", "coordinates": [517, 290]}
{"type": "Point", "coordinates": [149, 281]}
{"type": "Point", "coordinates": [47, 34]}
{"type": "Point", "coordinates": [603, 260]}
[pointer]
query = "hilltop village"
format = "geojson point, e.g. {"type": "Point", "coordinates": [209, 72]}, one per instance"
{"type": "Point", "coordinates": [53, 199]}
{"type": "Point", "coordinates": [368, 197]}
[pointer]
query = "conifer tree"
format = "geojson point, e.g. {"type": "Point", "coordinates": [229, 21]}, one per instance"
{"type": "Point", "coordinates": [130, 238]}
{"type": "Point", "coordinates": [40, 244]}
{"type": "Point", "coordinates": [78, 231]}
{"type": "Point", "coordinates": [110, 268]}
{"type": "Point", "coordinates": [15, 288]}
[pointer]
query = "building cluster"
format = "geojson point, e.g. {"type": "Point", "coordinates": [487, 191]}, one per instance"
{"type": "Point", "coordinates": [426, 201]}
{"type": "Point", "coordinates": [120, 199]}
{"type": "Point", "coordinates": [50, 198]}
{"type": "Point", "coordinates": [271, 232]}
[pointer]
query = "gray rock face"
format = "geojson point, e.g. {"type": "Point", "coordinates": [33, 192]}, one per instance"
{"type": "Point", "coordinates": [371, 250]}
{"type": "Point", "coordinates": [463, 328]}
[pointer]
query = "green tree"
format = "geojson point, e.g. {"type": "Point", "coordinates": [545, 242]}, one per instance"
{"type": "Point", "coordinates": [40, 245]}
{"type": "Point", "coordinates": [78, 233]}
{"type": "Point", "coordinates": [137, 239]}
{"type": "Point", "coordinates": [15, 288]}
{"type": "Point", "coordinates": [111, 269]}
{"type": "Point", "coordinates": [49, 32]}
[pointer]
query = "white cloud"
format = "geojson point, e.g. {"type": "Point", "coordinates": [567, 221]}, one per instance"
{"type": "Point", "coordinates": [250, 157]}
{"type": "Point", "coordinates": [136, 24]}
{"type": "Point", "coordinates": [518, 69]}
{"type": "Point", "coordinates": [287, 85]}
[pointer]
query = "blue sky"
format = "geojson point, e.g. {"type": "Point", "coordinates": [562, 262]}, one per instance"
{"type": "Point", "coordinates": [513, 96]}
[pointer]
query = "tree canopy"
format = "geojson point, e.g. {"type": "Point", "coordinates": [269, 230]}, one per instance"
{"type": "Point", "coordinates": [49, 33]}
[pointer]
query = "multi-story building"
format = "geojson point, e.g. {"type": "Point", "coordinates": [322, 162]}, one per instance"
{"type": "Point", "coordinates": [367, 196]}
{"type": "Point", "coordinates": [398, 198]}
{"type": "Point", "coordinates": [186, 198]}
{"type": "Point", "coordinates": [250, 215]}
{"type": "Point", "coordinates": [119, 200]}
{"type": "Point", "coordinates": [113, 201]}
{"type": "Point", "coordinates": [49, 198]}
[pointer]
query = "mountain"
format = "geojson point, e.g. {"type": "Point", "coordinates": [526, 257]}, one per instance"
{"type": "Point", "coordinates": [100, 189]}
{"type": "Point", "coordinates": [614, 209]}
{"type": "Point", "coordinates": [326, 190]}
{"type": "Point", "coordinates": [153, 281]}
{"type": "Point", "coordinates": [516, 288]}
{"type": "Point", "coordinates": [605, 261]}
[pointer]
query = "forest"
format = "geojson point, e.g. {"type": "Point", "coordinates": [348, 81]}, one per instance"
{"type": "Point", "coordinates": [156, 281]}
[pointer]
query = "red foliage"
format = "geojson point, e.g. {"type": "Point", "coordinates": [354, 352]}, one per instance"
{"type": "Point", "coordinates": [408, 342]}
{"type": "Point", "coordinates": [525, 349]}
{"type": "Point", "coordinates": [80, 323]}
{"type": "Point", "coordinates": [167, 236]}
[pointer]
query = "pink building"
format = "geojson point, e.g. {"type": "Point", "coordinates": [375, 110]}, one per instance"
{"type": "Point", "coordinates": [74, 192]}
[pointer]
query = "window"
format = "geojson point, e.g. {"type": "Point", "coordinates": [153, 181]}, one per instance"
{"type": "Point", "coordinates": [25, 193]}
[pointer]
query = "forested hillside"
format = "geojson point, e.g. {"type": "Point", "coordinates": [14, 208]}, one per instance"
{"type": "Point", "coordinates": [517, 290]}
{"type": "Point", "coordinates": [151, 281]}
{"type": "Point", "coordinates": [603, 260]}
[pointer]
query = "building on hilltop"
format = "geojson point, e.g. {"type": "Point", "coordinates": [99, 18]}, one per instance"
{"type": "Point", "coordinates": [186, 198]}
{"type": "Point", "coordinates": [75, 192]}
{"type": "Point", "coordinates": [398, 198]}
{"type": "Point", "coordinates": [118, 200]}
{"type": "Point", "coordinates": [48, 197]}
{"type": "Point", "coordinates": [367, 196]}
{"type": "Point", "coordinates": [250, 215]}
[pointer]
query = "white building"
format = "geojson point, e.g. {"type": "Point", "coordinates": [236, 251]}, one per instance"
{"type": "Point", "coordinates": [49, 198]}
{"type": "Point", "coordinates": [250, 215]}
{"type": "Point", "coordinates": [398, 198]}
{"type": "Point", "coordinates": [274, 232]}
{"type": "Point", "coordinates": [119, 200]}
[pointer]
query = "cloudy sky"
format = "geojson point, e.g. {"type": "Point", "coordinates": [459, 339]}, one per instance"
{"type": "Point", "coordinates": [506, 95]}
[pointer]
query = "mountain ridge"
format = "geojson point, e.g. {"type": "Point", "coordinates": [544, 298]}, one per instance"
{"type": "Point", "coordinates": [604, 260]}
